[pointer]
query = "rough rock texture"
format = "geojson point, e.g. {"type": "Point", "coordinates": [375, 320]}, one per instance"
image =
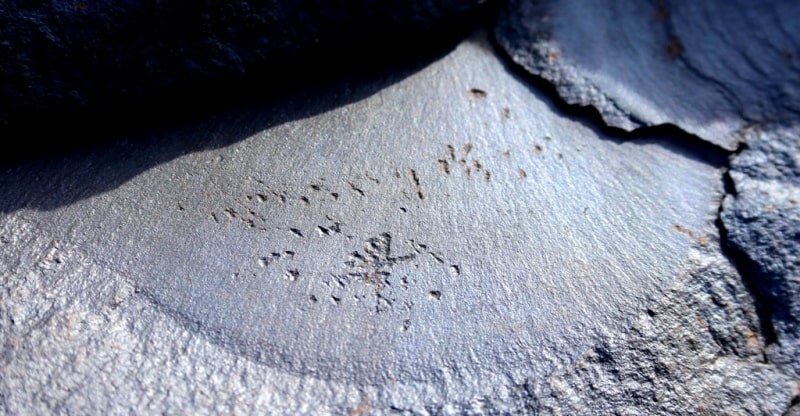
{"type": "Point", "coordinates": [762, 219]}
{"type": "Point", "coordinates": [64, 55]}
{"type": "Point", "coordinates": [728, 73]}
{"type": "Point", "coordinates": [78, 338]}
{"type": "Point", "coordinates": [445, 243]}
{"type": "Point", "coordinates": [698, 350]}
{"type": "Point", "coordinates": [709, 67]}
{"type": "Point", "coordinates": [442, 259]}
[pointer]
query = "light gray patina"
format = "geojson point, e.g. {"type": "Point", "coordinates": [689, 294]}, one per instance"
{"type": "Point", "coordinates": [445, 240]}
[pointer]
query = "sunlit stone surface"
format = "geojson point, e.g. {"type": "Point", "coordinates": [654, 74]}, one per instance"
{"type": "Point", "coordinates": [449, 233]}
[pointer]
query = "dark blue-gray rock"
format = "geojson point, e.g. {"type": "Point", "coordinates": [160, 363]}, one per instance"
{"type": "Point", "coordinates": [762, 219]}
{"type": "Point", "coordinates": [712, 68]}
{"type": "Point", "coordinates": [60, 56]}
{"type": "Point", "coordinates": [448, 245]}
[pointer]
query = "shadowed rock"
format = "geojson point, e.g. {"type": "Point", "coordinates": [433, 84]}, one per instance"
{"type": "Point", "coordinates": [66, 55]}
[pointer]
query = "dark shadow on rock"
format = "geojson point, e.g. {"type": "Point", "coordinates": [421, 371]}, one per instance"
{"type": "Point", "coordinates": [64, 56]}
{"type": "Point", "coordinates": [66, 159]}
{"type": "Point", "coordinates": [136, 136]}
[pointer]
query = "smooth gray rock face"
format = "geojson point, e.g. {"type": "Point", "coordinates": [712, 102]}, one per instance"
{"type": "Point", "coordinates": [709, 67]}
{"type": "Point", "coordinates": [763, 224]}
{"type": "Point", "coordinates": [61, 56]}
{"type": "Point", "coordinates": [437, 247]}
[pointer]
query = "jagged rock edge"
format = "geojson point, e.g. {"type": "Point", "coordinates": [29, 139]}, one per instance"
{"type": "Point", "coordinates": [591, 116]}
{"type": "Point", "coordinates": [743, 264]}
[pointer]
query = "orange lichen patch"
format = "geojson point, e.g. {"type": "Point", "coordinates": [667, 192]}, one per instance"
{"type": "Point", "coordinates": [362, 409]}
{"type": "Point", "coordinates": [451, 151]}
{"type": "Point", "coordinates": [414, 178]}
{"type": "Point", "coordinates": [82, 6]}
{"type": "Point", "coordinates": [553, 56]}
{"type": "Point", "coordinates": [685, 231]}
{"type": "Point", "coordinates": [752, 339]}
{"type": "Point", "coordinates": [444, 166]}
{"type": "Point", "coordinates": [703, 240]}
{"type": "Point", "coordinates": [674, 48]}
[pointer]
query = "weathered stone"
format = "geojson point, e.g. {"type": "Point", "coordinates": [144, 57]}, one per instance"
{"type": "Point", "coordinates": [725, 72]}
{"type": "Point", "coordinates": [762, 219]}
{"type": "Point", "coordinates": [436, 247]}
{"type": "Point", "coordinates": [710, 67]}
{"type": "Point", "coordinates": [698, 350]}
{"type": "Point", "coordinates": [445, 243]}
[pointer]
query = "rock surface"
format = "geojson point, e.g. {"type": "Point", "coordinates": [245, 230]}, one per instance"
{"type": "Point", "coordinates": [67, 55]}
{"type": "Point", "coordinates": [728, 74]}
{"type": "Point", "coordinates": [762, 219]}
{"type": "Point", "coordinates": [439, 261]}
{"type": "Point", "coordinates": [698, 350]}
{"type": "Point", "coordinates": [443, 242]}
{"type": "Point", "coordinates": [711, 67]}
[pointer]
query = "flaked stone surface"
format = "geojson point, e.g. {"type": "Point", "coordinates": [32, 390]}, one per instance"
{"type": "Point", "coordinates": [444, 245]}
{"type": "Point", "coordinates": [711, 67]}
{"type": "Point", "coordinates": [762, 219]}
